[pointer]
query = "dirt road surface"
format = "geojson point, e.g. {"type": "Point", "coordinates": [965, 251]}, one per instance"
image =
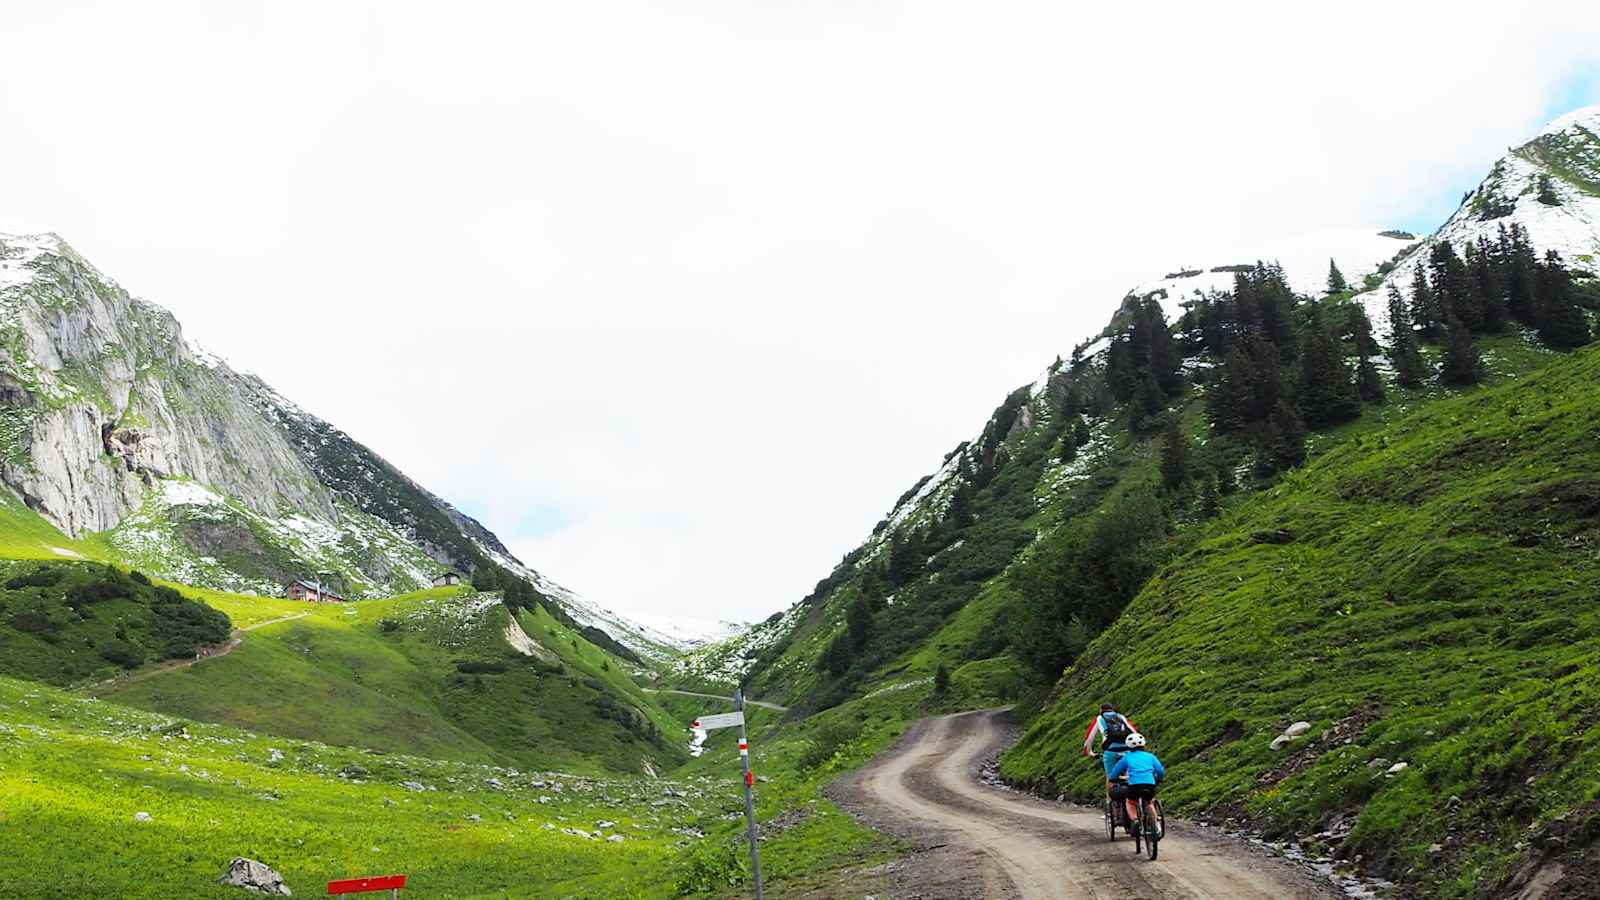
{"type": "Point", "coordinates": [977, 841]}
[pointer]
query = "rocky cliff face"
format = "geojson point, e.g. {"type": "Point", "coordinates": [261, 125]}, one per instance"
{"type": "Point", "coordinates": [104, 397]}
{"type": "Point", "coordinates": [111, 422]}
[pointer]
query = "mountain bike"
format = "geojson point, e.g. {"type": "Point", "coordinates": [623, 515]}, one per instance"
{"type": "Point", "coordinates": [1152, 827]}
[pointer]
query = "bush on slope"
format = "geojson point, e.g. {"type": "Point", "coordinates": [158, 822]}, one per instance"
{"type": "Point", "coordinates": [1422, 594]}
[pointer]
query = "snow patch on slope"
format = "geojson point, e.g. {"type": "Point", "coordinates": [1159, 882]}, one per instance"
{"type": "Point", "coordinates": [1357, 251]}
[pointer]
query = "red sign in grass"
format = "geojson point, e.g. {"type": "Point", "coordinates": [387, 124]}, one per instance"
{"type": "Point", "coordinates": [370, 883]}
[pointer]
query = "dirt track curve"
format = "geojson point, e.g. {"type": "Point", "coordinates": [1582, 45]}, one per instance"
{"type": "Point", "coordinates": [999, 844]}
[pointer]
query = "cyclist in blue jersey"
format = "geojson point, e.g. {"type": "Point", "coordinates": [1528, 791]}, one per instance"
{"type": "Point", "coordinates": [1144, 771]}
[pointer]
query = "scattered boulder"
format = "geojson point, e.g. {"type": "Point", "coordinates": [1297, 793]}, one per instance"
{"type": "Point", "coordinates": [413, 786]}
{"type": "Point", "coordinates": [1297, 729]}
{"type": "Point", "coordinates": [1282, 740]}
{"type": "Point", "coordinates": [474, 817]}
{"type": "Point", "coordinates": [1378, 763]}
{"type": "Point", "coordinates": [615, 839]}
{"type": "Point", "coordinates": [353, 771]}
{"type": "Point", "coordinates": [254, 876]}
{"type": "Point", "coordinates": [605, 824]}
{"type": "Point", "coordinates": [141, 817]}
{"type": "Point", "coordinates": [1397, 768]}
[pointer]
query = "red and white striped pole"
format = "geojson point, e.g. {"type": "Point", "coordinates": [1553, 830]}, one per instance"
{"type": "Point", "coordinates": [749, 799]}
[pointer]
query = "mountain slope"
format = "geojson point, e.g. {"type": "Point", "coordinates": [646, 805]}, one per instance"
{"type": "Point", "coordinates": [1469, 652]}
{"type": "Point", "coordinates": [942, 574]}
{"type": "Point", "coordinates": [115, 429]}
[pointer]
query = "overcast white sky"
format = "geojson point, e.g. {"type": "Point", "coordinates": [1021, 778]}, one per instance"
{"type": "Point", "coordinates": [679, 297]}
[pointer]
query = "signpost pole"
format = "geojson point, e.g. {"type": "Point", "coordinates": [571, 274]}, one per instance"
{"type": "Point", "coordinates": [749, 799]}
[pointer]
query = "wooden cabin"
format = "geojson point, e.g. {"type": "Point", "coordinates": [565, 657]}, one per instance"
{"type": "Point", "coordinates": [313, 592]}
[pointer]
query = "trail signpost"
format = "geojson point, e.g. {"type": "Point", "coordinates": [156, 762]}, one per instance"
{"type": "Point", "coordinates": [729, 720]}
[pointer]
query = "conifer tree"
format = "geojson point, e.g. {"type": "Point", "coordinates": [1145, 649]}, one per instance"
{"type": "Point", "coordinates": [1265, 389]}
{"type": "Point", "coordinates": [1069, 447]}
{"type": "Point", "coordinates": [1409, 366]}
{"type": "Point", "coordinates": [1336, 282]}
{"type": "Point", "coordinates": [1327, 393]}
{"type": "Point", "coordinates": [1562, 323]}
{"type": "Point", "coordinates": [1210, 498]}
{"type": "Point", "coordinates": [858, 623]}
{"type": "Point", "coordinates": [1275, 308]}
{"type": "Point", "coordinates": [1488, 286]}
{"type": "Point", "coordinates": [1547, 192]}
{"type": "Point", "coordinates": [1227, 480]}
{"type": "Point", "coordinates": [941, 678]}
{"type": "Point", "coordinates": [1162, 355]}
{"type": "Point", "coordinates": [1122, 374]}
{"type": "Point", "coordinates": [1226, 399]}
{"type": "Point", "coordinates": [1456, 292]}
{"type": "Point", "coordinates": [1149, 401]}
{"type": "Point", "coordinates": [1174, 456]}
{"type": "Point", "coordinates": [836, 659]}
{"type": "Point", "coordinates": [1289, 449]}
{"type": "Point", "coordinates": [1080, 432]}
{"type": "Point", "coordinates": [907, 556]}
{"type": "Point", "coordinates": [958, 514]}
{"type": "Point", "coordinates": [1462, 365]}
{"type": "Point", "coordinates": [1425, 312]}
{"type": "Point", "coordinates": [1518, 263]}
{"type": "Point", "coordinates": [1368, 384]}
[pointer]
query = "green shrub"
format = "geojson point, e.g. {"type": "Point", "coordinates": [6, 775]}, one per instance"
{"type": "Point", "coordinates": [44, 576]}
{"type": "Point", "coordinates": [480, 667]}
{"type": "Point", "coordinates": [825, 742]}
{"type": "Point", "coordinates": [123, 654]}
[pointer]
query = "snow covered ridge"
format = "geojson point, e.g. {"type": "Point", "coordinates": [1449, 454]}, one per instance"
{"type": "Point", "coordinates": [1304, 257]}
{"type": "Point", "coordinates": [1567, 153]}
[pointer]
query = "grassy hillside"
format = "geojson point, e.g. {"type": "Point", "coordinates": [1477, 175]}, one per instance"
{"type": "Point", "coordinates": [75, 772]}
{"type": "Point", "coordinates": [431, 674]}
{"type": "Point", "coordinates": [1422, 594]}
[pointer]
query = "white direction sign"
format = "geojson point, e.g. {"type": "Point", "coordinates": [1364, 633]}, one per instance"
{"type": "Point", "coordinates": [721, 720]}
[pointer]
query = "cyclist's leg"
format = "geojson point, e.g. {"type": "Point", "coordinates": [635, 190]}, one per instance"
{"type": "Point", "coordinates": [1136, 794]}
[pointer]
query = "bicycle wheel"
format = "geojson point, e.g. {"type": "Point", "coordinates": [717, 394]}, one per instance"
{"type": "Point", "coordinates": [1152, 835]}
{"type": "Point", "coordinates": [1138, 836]}
{"type": "Point", "coordinates": [1111, 821]}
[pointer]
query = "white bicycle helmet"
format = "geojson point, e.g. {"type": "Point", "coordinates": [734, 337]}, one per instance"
{"type": "Point", "coordinates": [1134, 741]}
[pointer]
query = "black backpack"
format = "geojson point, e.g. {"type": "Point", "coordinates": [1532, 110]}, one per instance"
{"type": "Point", "coordinates": [1115, 727]}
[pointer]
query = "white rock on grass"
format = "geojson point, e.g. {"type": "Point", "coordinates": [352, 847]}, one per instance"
{"type": "Point", "coordinates": [1397, 768]}
{"type": "Point", "coordinates": [1279, 742]}
{"type": "Point", "coordinates": [254, 876]}
{"type": "Point", "coordinates": [141, 817]}
{"type": "Point", "coordinates": [615, 839]}
{"type": "Point", "coordinates": [1297, 729]}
